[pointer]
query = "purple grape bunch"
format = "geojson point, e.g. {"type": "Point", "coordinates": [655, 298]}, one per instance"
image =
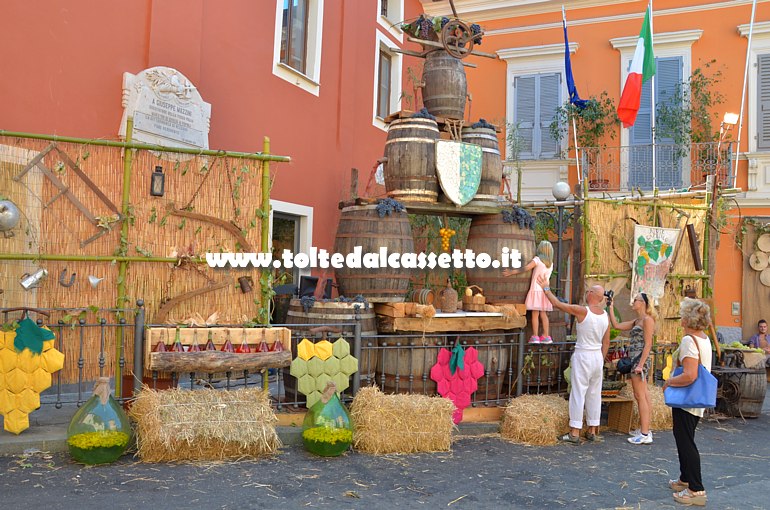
{"type": "Point", "coordinates": [387, 206]}
{"type": "Point", "coordinates": [425, 27]}
{"type": "Point", "coordinates": [482, 123]}
{"type": "Point", "coordinates": [520, 216]}
{"type": "Point", "coordinates": [476, 29]}
{"type": "Point", "coordinates": [423, 114]}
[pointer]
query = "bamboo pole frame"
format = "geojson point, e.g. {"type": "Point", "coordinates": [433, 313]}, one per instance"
{"type": "Point", "coordinates": [129, 158]}
{"type": "Point", "coordinates": [150, 147]}
{"type": "Point", "coordinates": [123, 268]}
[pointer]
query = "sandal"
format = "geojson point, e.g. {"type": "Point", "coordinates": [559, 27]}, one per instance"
{"type": "Point", "coordinates": [569, 438]}
{"type": "Point", "coordinates": [688, 497]}
{"type": "Point", "coordinates": [678, 485]}
{"type": "Point", "coordinates": [594, 438]}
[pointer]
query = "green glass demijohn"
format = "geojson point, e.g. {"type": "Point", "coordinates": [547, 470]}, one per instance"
{"type": "Point", "coordinates": [100, 431]}
{"type": "Point", "coordinates": [327, 429]}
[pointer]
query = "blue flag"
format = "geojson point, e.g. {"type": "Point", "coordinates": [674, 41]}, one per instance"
{"type": "Point", "coordinates": [574, 98]}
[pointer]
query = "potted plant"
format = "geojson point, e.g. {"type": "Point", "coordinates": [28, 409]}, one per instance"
{"type": "Point", "coordinates": [689, 117]}
{"type": "Point", "coordinates": [595, 122]}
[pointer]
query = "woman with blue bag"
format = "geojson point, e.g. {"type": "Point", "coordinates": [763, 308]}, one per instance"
{"type": "Point", "coordinates": [691, 384]}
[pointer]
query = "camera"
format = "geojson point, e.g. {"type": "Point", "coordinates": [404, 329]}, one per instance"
{"type": "Point", "coordinates": [609, 294]}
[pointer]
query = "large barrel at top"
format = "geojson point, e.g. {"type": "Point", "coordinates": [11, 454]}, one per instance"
{"type": "Point", "coordinates": [362, 226]}
{"type": "Point", "coordinates": [489, 234]}
{"type": "Point", "coordinates": [410, 166]}
{"type": "Point", "coordinates": [491, 164]}
{"type": "Point", "coordinates": [445, 86]}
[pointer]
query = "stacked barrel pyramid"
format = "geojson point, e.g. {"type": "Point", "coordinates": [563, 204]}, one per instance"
{"type": "Point", "coordinates": [23, 376]}
{"type": "Point", "coordinates": [317, 364]}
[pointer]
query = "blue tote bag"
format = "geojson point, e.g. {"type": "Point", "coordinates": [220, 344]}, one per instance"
{"type": "Point", "coordinates": [701, 393]}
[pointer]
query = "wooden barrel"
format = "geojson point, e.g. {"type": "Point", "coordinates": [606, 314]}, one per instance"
{"type": "Point", "coordinates": [445, 86]}
{"type": "Point", "coordinates": [362, 226]}
{"type": "Point", "coordinates": [753, 387]}
{"type": "Point", "coordinates": [301, 322]}
{"type": "Point", "coordinates": [404, 363]}
{"type": "Point", "coordinates": [491, 164]}
{"type": "Point", "coordinates": [494, 351]}
{"type": "Point", "coordinates": [410, 154]}
{"type": "Point", "coordinates": [423, 296]}
{"type": "Point", "coordinates": [488, 234]}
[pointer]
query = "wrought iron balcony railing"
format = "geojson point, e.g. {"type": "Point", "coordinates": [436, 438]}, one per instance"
{"type": "Point", "coordinates": [629, 168]}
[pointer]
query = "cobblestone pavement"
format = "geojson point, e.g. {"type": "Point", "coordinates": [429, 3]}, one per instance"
{"type": "Point", "coordinates": [480, 472]}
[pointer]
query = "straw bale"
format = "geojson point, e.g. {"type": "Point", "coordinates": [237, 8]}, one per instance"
{"type": "Point", "coordinates": [177, 425]}
{"type": "Point", "coordinates": [535, 419]}
{"type": "Point", "coordinates": [401, 423]}
{"type": "Point", "coordinates": [660, 416]}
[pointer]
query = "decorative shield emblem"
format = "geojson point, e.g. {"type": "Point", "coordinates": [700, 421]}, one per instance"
{"type": "Point", "coordinates": [458, 166]}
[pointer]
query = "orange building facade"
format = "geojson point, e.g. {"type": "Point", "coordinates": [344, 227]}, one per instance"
{"type": "Point", "coordinates": [528, 39]}
{"type": "Point", "coordinates": [319, 76]}
{"type": "Point", "coordinates": [315, 76]}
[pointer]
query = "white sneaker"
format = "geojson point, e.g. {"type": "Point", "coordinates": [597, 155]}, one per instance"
{"type": "Point", "coordinates": [641, 439]}
{"type": "Point", "coordinates": [635, 432]}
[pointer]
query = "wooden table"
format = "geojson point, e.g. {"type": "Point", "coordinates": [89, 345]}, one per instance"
{"type": "Point", "coordinates": [449, 322]}
{"type": "Point", "coordinates": [620, 414]}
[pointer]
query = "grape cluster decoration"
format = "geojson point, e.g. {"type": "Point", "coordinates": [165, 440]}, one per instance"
{"type": "Point", "coordinates": [519, 216]}
{"type": "Point", "coordinates": [358, 299]}
{"type": "Point", "coordinates": [307, 302]}
{"type": "Point", "coordinates": [446, 234]}
{"type": "Point", "coordinates": [482, 123]}
{"type": "Point", "coordinates": [423, 114]}
{"type": "Point", "coordinates": [388, 206]}
{"type": "Point", "coordinates": [476, 29]}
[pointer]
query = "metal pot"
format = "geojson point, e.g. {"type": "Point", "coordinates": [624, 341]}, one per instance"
{"type": "Point", "coordinates": [29, 281]}
{"type": "Point", "coordinates": [9, 215]}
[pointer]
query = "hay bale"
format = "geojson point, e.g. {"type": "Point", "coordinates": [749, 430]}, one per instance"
{"type": "Point", "coordinates": [535, 419]}
{"type": "Point", "coordinates": [401, 423]}
{"type": "Point", "coordinates": [660, 415]}
{"type": "Point", "coordinates": [177, 424]}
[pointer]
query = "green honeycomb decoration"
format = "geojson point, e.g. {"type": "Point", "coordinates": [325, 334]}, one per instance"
{"type": "Point", "coordinates": [320, 382]}
{"type": "Point", "coordinates": [340, 348]}
{"type": "Point", "coordinates": [306, 384]}
{"type": "Point", "coordinates": [298, 367]}
{"type": "Point", "coordinates": [312, 398]}
{"type": "Point", "coordinates": [315, 367]}
{"type": "Point", "coordinates": [348, 365]}
{"type": "Point", "coordinates": [331, 366]}
{"type": "Point", "coordinates": [313, 372]}
{"type": "Point", "coordinates": [342, 381]}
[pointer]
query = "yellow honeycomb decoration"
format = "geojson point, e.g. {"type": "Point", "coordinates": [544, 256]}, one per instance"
{"type": "Point", "coordinates": [23, 376]}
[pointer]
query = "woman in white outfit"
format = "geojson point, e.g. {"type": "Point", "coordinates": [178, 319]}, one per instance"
{"type": "Point", "coordinates": [593, 342]}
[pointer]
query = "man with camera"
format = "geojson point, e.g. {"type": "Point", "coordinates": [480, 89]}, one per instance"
{"type": "Point", "coordinates": [593, 342]}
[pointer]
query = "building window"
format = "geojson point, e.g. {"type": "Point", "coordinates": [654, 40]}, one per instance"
{"type": "Point", "coordinates": [390, 13]}
{"type": "Point", "coordinates": [294, 34]}
{"type": "Point", "coordinates": [536, 98]}
{"type": "Point", "coordinates": [386, 97]}
{"type": "Point", "coordinates": [291, 228]}
{"type": "Point", "coordinates": [763, 102]}
{"type": "Point", "coordinates": [298, 36]}
{"type": "Point", "coordinates": [383, 84]}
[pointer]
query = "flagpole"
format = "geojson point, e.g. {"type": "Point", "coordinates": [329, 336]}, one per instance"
{"type": "Point", "coordinates": [574, 124]}
{"type": "Point", "coordinates": [652, 96]}
{"type": "Point", "coordinates": [743, 92]}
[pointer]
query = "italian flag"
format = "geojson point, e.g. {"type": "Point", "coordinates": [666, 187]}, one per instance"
{"type": "Point", "coordinates": [642, 69]}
